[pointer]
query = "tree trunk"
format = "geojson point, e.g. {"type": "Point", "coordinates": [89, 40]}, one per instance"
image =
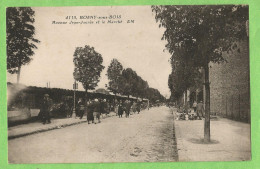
{"type": "Point", "coordinates": [196, 96]}
{"type": "Point", "coordinates": [114, 100]}
{"type": "Point", "coordinates": [86, 96]}
{"type": "Point", "coordinates": [185, 98]}
{"type": "Point", "coordinates": [207, 105]}
{"type": "Point", "coordinates": [18, 74]}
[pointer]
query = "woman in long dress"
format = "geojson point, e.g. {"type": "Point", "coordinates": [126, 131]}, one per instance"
{"type": "Point", "coordinates": [120, 109]}
{"type": "Point", "coordinates": [89, 109]}
{"type": "Point", "coordinates": [96, 112]}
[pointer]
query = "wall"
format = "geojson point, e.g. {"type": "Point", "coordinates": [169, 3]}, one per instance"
{"type": "Point", "coordinates": [229, 84]}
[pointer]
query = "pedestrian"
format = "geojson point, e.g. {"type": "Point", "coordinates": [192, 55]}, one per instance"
{"type": "Point", "coordinates": [200, 110]}
{"type": "Point", "coordinates": [107, 107]}
{"type": "Point", "coordinates": [138, 107]}
{"type": "Point", "coordinates": [96, 113]}
{"type": "Point", "coordinates": [127, 108]}
{"type": "Point", "coordinates": [45, 109]}
{"type": "Point", "coordinates": [134, 107]}
{"type": "Point", "coordinates": [194, 106]}
{"type": "Point", "coordinates": [80, 108]}
{"type": "Point", "coordinates": [89, 109]}
{"type": "Point", "coordinates": [120, 109]}
{"type": "Point", "coordinates": [103, 107]}
{"type": "Point", "coordinates": [148, 105]}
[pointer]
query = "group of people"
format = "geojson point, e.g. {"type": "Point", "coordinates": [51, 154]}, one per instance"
{"type": "Point", "coordinates": [93, 108]}
{"type": "Point", "coordinates": [97, 107]}
{"type": "Point", "coordinates": [127, 106]}
{"type": "Point", "coordinates": [187, 113]}
{"type": "Point", "coordinates": [198, 109]}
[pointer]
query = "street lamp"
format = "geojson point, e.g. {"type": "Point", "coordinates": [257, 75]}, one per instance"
{"type": "Point", "coordinates": [76, 75]}
{"type": "Point", "coordinates": [75, 87]}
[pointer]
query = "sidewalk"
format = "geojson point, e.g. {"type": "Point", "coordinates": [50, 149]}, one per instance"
{"type": "Point", "coordinates": [37, 127]}
{"type": "Point", "coordinates": [230, 141]}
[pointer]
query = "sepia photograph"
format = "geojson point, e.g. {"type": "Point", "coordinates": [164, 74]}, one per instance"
{"type": "Point", "coordinates": [116, 84]}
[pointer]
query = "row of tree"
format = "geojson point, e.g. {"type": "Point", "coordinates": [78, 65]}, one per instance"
{"type": "Point", "coordinates": [197, 36]}
{"type": "Point", "coordinates": [128, 82]}
{"type": "Point", "coordinates": [88, 68]}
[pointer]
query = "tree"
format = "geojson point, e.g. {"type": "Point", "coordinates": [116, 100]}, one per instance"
{"type": "Point", "coordinates": [140, 87]}
{"type": "Point", "coordinates": [19, 38]}
{"type": "Point", "coordinates": [174, 85]}
{"type": "Point", "coordinates": [154, 95]}
{"type": "Point", "coordinates": [114, 74]}
{"type": "Point", "coordinates": [128, 81]}
{"type": "Point", "coordinates": [204, 31]}
{"type": "Point", "coordinates": [183, 77]}
{"type": "Point", "coordinates": [88, 67]}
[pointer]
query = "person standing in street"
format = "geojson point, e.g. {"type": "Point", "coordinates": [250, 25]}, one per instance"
{"type": "Point", "coordinates": [138, 107]}
{"type": "Point", "coordinates": [194, 106]}
{"type": "Point", "coordinates": [89, 110]}
{"type": "Point", "coordinates": [116, 107]}
{"type": "Point", "coordinates": [120, 109]}
{"type": "Point", "coordinates": [80, 108]}
{"type": "Point", "coordinates": [134, 107]}
{"type": "Point", "coordinates": [45, 109]}
{"type": "Point", "coordinates": [96, 113]}
{"type": "Point", "coordinates": [200, 110]}
{"type": "Point", "coordinates": [103, 105]}
{"type": "Point", "coordinates": [127, 108]}
{"type": "Point", "coordinates": [107, 107]}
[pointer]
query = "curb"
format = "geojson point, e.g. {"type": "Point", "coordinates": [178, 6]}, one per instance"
{"type": "Point", "coordinates": [51, 128]}
{"type": "Point", "coordinates": [175, 144]}
{"type": "Point", "coordinates": [44, 130]}
{"type": "Point", "coordinates": [182, 156]}
{"type": "Point", "coordinates": [181, 151]}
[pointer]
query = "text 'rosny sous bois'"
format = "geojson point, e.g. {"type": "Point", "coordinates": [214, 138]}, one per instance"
{"type": "Point", "coordinates": [111, 19]}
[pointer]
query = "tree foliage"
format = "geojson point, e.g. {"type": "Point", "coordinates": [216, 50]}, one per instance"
{"type": "Point", "coordinates": [205, 32]}
{"type": "Point", "coordinates": [183, 77]}
{"type": "Point", "coordinates": [114, 74]}
{"type": "Point", "coordinates": [140, 87]}
{"type": "Point", "coordinates": [129, 78]}
{"type": "Point", "coordinates": [198, 35]}
{"type": "Point", "coordinates": [128, 82]}
{"type": "Point", "coordinates": [154, 95]}
{"type": "Point", "coordinates": [19, 37]}
{"type": "Point", "coordinates": [88, 66]}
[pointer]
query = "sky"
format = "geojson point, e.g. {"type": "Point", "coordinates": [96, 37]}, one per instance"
{"type": "Point", "coordinates": [136, 45]}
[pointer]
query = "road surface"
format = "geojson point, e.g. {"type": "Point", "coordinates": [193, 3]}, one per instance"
{"type": "Point", "coordinates": [144, 137]}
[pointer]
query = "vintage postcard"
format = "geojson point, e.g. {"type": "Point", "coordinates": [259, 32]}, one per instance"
{"type": "Point", "coordinates": [102, 84]}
